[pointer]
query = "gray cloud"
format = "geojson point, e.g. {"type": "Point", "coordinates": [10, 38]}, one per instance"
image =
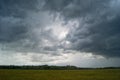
{"type": "Point", "coordinates": [98, 30]}
{"type": "Point", "coordinates": [101, 39]}
{"type": "Point", "coordinates": [76, 8]}
{"type": "Point", "coordinates": [12, 14]}
{"type": "Point", "coordinates": [25, 26]}
{"type": "Point", "coordinates": [12, 29]}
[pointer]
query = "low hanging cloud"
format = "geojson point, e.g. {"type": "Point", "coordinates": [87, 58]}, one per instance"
{"type": "Point", "coordinates": [98, 29]}
{"type": "Point", "coordinates": [24, 27]}
{"type": "Point", "coordinates": [13, 26]}
{"type": "Point", "coordinates": [27, 26]}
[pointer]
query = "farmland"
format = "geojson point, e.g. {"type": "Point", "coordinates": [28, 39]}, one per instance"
{"type": "Point", "coordinates": [95, 74]}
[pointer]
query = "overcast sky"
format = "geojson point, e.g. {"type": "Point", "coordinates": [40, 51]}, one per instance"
{"type": "Point", "coordinates": [84, 33]}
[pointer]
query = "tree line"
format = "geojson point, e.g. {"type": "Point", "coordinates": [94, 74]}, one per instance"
{"type": "Point", "coordinates": [41, 67]}
{"type": "Point", "coordinates": [47, 67]}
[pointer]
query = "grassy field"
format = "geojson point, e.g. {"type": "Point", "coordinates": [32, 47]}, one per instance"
{"type": "Point", "coordinates": [60, 74]}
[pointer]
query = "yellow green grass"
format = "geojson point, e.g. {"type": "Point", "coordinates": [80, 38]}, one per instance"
{"type": "Point", "coordinates": [104, 74]}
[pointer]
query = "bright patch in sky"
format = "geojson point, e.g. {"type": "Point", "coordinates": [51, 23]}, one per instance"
{"type": "Point", "coordinates": [59, 30]}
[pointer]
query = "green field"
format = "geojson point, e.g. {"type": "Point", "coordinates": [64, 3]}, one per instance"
{"type": "Point", "coordinates": [60, 74]}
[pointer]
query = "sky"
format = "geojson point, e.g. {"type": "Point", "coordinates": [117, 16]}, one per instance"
{"type": "Point", "coordinates": [84, 33]}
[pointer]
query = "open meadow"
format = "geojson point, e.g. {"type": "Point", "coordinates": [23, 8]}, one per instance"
{"type": "Point", "coordinates": [103, 74]}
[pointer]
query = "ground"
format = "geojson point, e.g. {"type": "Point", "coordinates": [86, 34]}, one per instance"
{"type": "Point", "coordinates": [104, 74]}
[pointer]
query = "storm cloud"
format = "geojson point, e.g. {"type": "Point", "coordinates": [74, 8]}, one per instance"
{"type": "Point", "coordinates": [32, 26]}
{"type": "Point", "coordinates": [24, 27]}
{"type": "Point", "coordinates": [13, 26]}
{"type": "Point", "coordinates": [98, 29]}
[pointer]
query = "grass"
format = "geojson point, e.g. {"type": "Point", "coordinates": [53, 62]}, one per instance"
{"type": "Point", "coordinates": [104, 74]}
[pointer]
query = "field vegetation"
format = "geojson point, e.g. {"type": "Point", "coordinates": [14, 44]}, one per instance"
{"type": "Point", "coordinates": [88, 74]}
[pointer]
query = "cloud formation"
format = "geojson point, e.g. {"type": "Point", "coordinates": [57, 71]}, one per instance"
{"type": "Point", "coordinates": [98, 29]}
{"type": "Point", "coordinates": [30, 26]}
{"type": "Point", "coordinates": [24, 27]}
{"type": "Point", "coordinates": [13, 26]}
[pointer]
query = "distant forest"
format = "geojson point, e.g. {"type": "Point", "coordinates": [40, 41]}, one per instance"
{"type": "Point", "coordinates": [47, 67]}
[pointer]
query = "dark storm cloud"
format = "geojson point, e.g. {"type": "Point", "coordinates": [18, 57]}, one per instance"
{"type": "Point", "coordinates": [11, 29]}
{"type": "Point", "coordinates": [12, 23]}
{"type": "Point", "coordinates": [98, 30]}
{"type": "Point", "coordinates": [16, 8]}
{"type": "Point", "coordinates": [102, 38]}
{"type": "Point", "coordinates": [76, 8]}
{"type": "Point", "coordinates": [23, 25]}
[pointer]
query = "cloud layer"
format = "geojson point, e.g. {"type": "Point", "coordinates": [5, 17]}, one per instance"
{"type": "Point", "coordinates": [98, 29]}
{"type": "Point", "coordinates": [47, 26]}
{"type": "Point", "coordinates": [24, 27]}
